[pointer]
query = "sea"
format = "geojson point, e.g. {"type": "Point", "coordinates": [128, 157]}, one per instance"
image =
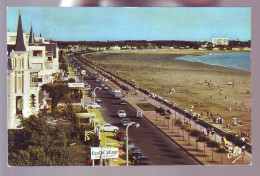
{"type": "Point", "coordinates": [237, 60]}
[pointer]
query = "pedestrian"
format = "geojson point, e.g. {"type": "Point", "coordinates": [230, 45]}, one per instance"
{"type": "Point", "coordinates": [208, 131]}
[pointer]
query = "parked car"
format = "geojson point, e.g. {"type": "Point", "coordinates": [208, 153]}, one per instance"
{"type": "Point", "coordinates": [121, 113]}
{"type": "Point", "coordinates": [108, 127]}
{"type": "Point", "coordinates": [92, 106]}
{"type": "Point", "coordinates": [122, 101]}
{"type": "Point", "coordinates": [126, 121]}
{"type": "Point", "coordinates": [86, 84]}
{"type": "Point", "coordinates": [102, 85]}
{"type": "Point", "coordinates": [106, 88]}
{"type": "Point", "coordinates": [134, 153]}
{"type": "Point", "coordinates": [111, 91]}
{"type": "Point", "coordinates": [98, 101]}
{"type": "Point", "coordinates": [121, 135]}
{"type": "Point", "coordinates": [141, 160]}
{"type": "Point", "coordinates": [98, 80]}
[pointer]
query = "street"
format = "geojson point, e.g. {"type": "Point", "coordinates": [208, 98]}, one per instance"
{"type": "Point", "coordinates": [153, 143]}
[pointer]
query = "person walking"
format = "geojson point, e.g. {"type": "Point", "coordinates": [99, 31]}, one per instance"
{"type": "Point", "coordinates": [208, 131]}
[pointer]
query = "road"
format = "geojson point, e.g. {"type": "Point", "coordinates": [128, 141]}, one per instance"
{"type": "Point", "coordinates": [153, 143]}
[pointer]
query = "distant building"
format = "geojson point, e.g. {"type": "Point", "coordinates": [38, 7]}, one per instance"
{"type": "Point", "coordinates": [115, 48]}
{"type": "Point", "coordinates": [31, 63]}
{"type": "Point", "coordinates": [220, 41]}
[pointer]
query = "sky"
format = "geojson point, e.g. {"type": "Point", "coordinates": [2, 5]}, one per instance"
{"type": "Point", "coordinates": [142, 23]}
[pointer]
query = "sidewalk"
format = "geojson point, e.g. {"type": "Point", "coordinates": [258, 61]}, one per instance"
{"type": "Point", "coordinates": [187, 142]}
{"type": "Point", "coordinates": [179, 136]}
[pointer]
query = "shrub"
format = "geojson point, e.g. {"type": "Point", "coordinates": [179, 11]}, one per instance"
{"type": "Point", "coordinates": [178, 122]}
{"type": "Point", "coordinates": [212, 144]}
{"type": "Point", "coordinates": [230, 137]}
{"type": "Point", "coordinates": [188, 129]}
{"type": "Point", "coordinates": [203, 138]}
{"type": "Point", "coordinates": [221, 150]}
{"type": "Point", "coordinates": [195, 133]}
{"type": "Point", "coordinates": [239, 142]}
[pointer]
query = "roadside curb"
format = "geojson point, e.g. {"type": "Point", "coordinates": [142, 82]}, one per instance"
{"type": "Point", "coordinates": [170, 138]}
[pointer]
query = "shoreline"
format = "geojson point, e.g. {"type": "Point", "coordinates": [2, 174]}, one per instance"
{"type": "Point", "coordinates": [179, 53]}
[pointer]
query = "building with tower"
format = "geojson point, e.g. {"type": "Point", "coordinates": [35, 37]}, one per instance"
{"type": "Point", "coordinates": [30, 64]}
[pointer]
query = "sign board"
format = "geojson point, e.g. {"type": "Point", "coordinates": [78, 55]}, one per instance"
{"type": "Point", "coordinates": [86, 114]}
{"type": "Point", "coordinates": [106, 152]}
{"type": "Point", "coordinates": [76, 84]}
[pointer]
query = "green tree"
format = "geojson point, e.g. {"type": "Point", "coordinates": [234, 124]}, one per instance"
{"type": "Point", "coordinates": [57, 92]}
{"type": "Point", "coordinates": [36, 131]}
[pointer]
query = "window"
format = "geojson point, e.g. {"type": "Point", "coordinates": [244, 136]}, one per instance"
{"type": "Point", "coordinates": [40, 79]}
{"type": "Point", "coordinates": [19, 65]}
{"type": "Point", "coordinates": [37, 53]}
{"type": "Point", "coordinates": [49, 58]}
{"type": "Point", "coordinates": [34, 79]}
{"type": "Point", "coordinates": [19, 85]}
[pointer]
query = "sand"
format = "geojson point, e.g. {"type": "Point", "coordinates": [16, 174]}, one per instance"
{"type": "Point", "coordinates": [204, 86]}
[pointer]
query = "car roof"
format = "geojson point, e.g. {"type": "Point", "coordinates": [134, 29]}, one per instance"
{"type": "Point", "coordinates": [125, 118]}
{"type": "Point", "coordinates": [121, 110]}
{"type": "Point", "coordinates": [121, 131]}
{"type": "Point", "coordinates": [134, 148]}
{"type": "Point", "coordinates": [142, 157]}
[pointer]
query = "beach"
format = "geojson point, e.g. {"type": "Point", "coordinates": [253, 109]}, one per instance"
{"type": "Point", "coordinates": [213, 90]}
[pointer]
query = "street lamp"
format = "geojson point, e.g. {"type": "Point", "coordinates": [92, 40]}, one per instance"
{"type": "Point", "coordinates": [95, 97]}
{"type": "Point", "coordinates": [137, 125]}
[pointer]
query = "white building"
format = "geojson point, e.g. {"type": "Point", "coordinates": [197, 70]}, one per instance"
{"type": "Point", "coordinates": [30, 64]}
{"type": "Point", "coordinates": [220, 41]}
{"type": "Point", "coordinates": [114, 48]}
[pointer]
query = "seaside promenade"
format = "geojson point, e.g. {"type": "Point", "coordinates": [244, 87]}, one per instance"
{"type": "Point", "coordinates": [206, 155]}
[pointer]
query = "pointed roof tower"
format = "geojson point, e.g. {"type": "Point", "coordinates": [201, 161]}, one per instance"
{"type": "Point", "coordinates": [19, 46]}
{"type": "Point", "coordinates": [31, 38]}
